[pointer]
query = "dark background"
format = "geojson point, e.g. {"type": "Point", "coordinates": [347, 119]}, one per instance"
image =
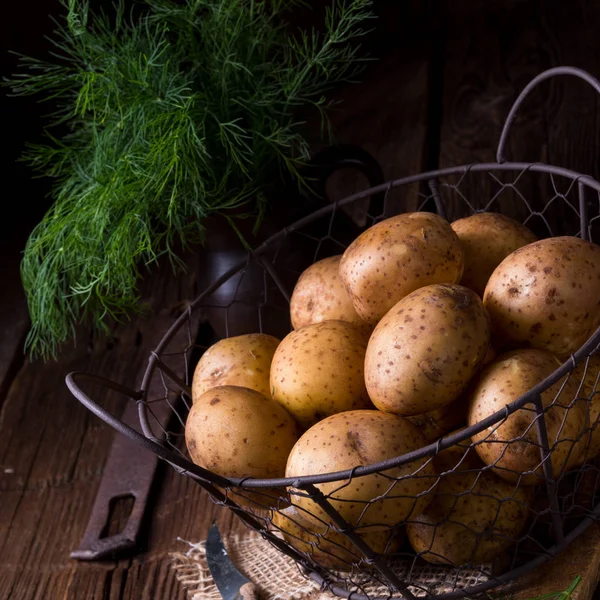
{"type": "Point", "coordinates": [447, 75]}
{"type": "Point", "coordinates": [23, 28]}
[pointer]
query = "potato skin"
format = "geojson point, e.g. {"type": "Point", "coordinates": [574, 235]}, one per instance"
{"type": "Point", "coordinates": [393, 258]}
{"type": "Point", "coordinates": [425, 350]}
{"type": "Point", "coordinates": [513, 449]}
{"type": "Point", "coordinates": [238, 432]}
{"type": "Point", "coordinates": [318, 371]}
{"type": "Point", "coordinates": [546, 295]}
{"type": "Point", "coordinates": [243, 360]}
{"type": "Point", "coordinates": [356, 438]}
{"type": "Point", "coordinates": [458, 528]}
{"type": "Point", "coordinates": [327, 547]}
{"type": "Point", "coordinates": [487, 239]}
{"type": "Point", "coordinates": [320, 296]}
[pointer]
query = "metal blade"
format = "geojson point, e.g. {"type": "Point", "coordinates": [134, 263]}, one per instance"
{"type": "Point", "coordinates": [228, 579]}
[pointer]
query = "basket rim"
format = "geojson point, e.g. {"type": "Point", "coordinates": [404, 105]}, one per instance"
{"type": "Point", "coordinates": [431, 449]}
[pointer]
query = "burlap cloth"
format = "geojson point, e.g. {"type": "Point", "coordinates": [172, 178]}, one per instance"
{"type": "Point", "coordinates": [278, 577]}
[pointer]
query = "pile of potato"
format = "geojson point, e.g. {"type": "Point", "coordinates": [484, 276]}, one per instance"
{"type": "Point", "coordinates": [420, 328]}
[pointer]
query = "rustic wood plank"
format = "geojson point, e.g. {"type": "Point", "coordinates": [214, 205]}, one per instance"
{"type": "Point", "coordinates": [53, 449]}
{"type": "Point", "coordinates": [387, 116]}
{"type": "Point", "coordinates": [152, 579]}
{"type": "Point", "coordinates": [492, 53]}
{"type": "Point", "coordinates": [88, 581]}
{"type": "Point", "coordinates": [14, 323]}
{"type": "Point", "coordinates": [10, 505]}
{"type": "Point", "coordinates": [39, 408]}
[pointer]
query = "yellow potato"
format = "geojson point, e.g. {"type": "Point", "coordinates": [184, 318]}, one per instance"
{"type": "Point", "coordinates": [425, 350]}
{"type": "Point", "coordinates": [320, 296]}
{"type": "Point", "coordinates": [359, 438]}
{"type": "Point", "coordinates": [238, 432]}
{"type": "Point", "coordinates": [327, 547]}
{"type": "Point", "coordinates": [397, 256]}
{"type": "Point", "coordinates": [512, 446]}
{"type": "Point", "coordinates": [487, 239]}
{"type": "Point", "coordinates": [318, 371]}
{"type": "Point", "coordinates": [546, 295]}
{"type": "Point", "coordinates": [474, 515]}
{"type": "Point", "coordinates": [244, 361]}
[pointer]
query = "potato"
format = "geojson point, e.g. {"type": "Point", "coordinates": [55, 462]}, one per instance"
{"type": "Point", "coordinates": [397, 256]}
{"type": "Point", "coordinates": [588, 373]}
{"type": "Point", "coordinates": [546, 295]}
{"type": "Point", "coordinates": [512, 446]}
{"type": "Point", "coordinates": [358, 438]}
{"type": "Point", "coordinates": [423, 353]}
{"type": "Point", "coordinates": [244, 361]}
{"type": "Point", "coordinates": [327, 547]}
{"type": "Point", "coordinates": [318, 371]}
{"type": "Point", "coordinates": [434, 424]}
{"type": "Point", "coordinates": [238, 432]}
{"type": "Point", "coordinates": [474, 515]}
{"type": "Point", "coordinates": [487, 239]}
{"type": "Point", "coordinates": [320, 296]}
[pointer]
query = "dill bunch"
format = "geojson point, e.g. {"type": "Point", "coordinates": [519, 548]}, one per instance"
{"type": "Point", "coordinates": [167, 114]}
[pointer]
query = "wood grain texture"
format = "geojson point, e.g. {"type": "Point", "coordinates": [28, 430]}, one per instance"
{"type": "Point", "coordinates": [14, 318]}
{"type": "Point", "coordinates": [387, 116]}
{"type": "Point", "coordinates": [491, 54]}
{"type": "Point", "coordinates": [52, 451]}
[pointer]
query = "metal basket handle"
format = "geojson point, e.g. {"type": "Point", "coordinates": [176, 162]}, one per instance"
{"type": "Point", "coordinates": [128, 473]}
{"type": "Point", "coordinates": [149, 444]}
{"type": "Point", "coordinates": [333, 158]}
{"type": "Point", "coordinates": [575, 71]}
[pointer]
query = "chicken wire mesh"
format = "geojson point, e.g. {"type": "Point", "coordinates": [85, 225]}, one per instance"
{"type": "Point", "coordinates": [436, 521]}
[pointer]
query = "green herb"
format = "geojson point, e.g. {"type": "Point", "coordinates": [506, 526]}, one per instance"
{"type": "Point", "coordinates": [564, 595]}
{"type": "Point", "coordinates": [167, 114]}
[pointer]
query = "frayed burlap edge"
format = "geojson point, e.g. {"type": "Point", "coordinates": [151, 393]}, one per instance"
{"type": "Point", "coordinates": [278, 577]}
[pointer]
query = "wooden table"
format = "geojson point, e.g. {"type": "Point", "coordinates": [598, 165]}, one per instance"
{"type": "Point", "coordinates": [438, 96]}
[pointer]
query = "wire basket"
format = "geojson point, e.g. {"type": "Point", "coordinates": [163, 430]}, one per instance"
{"type": "Point", "coordinates": [550, 200]}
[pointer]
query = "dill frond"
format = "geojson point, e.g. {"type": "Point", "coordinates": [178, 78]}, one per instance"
{"type": "Point", "coordinates": [167, 115]}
